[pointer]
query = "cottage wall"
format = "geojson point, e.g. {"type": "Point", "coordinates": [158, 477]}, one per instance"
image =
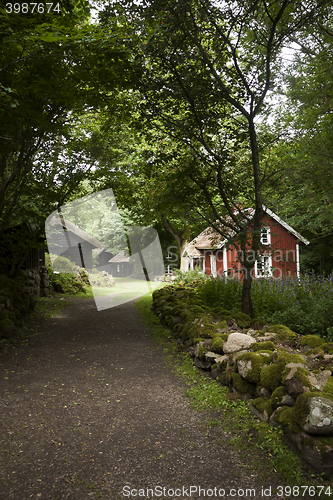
{"type": "Point", "coordinates": [283, 248]}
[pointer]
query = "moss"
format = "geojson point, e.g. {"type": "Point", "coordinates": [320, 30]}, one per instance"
{"type": "Point", "coordinates": [258, 361]}
{"type": "Point", "coordinates": [226, 317]}
{"type": "Point", "coordinates": [217, 311]}
{"type": "Point", "coordinates": [270, 377]}
{"type": "Point", "coordinates": [301, 374]}
{"type": "Point", "coordinates": [328, 387]}
{"type": "Point", "coordinates": [187, 316]}
{"type": "Point", "coordinates": [241, 385]}
{"type": "Point", "coordinates": [201, 329]}
{"type": "Point", "coordinates": [284, 334]}
{"type": "Point", "coordinates": [242, 320]}
{"type": "Point", "coordinates": [287, 418]}
{"type": "Point", "coordinates": [311, 341]}
{"type": "Point", "coordinates": [257, 323]}
{"type": "Point", "coordinates": [327, 347]}
{"type": "Point", "coordinates": [286, 357]}
{"type": "Point", "coordinates": [221, 325]}
{"type": "Point", "coordinates": [197, 340]}
{"type": "Point", "coordinates": [278, 395]}
{"type": "Point", "coordinates": [178, 328]}
{"type": "Point", "coordinates": [263, 346]}
{"type": "Point", "coordinates": [302, 405]}
{"type": "Point", "coordinates": [263, 405]}
{"type": "Point", "coordinates": [202, 351]}
{"type": "Point", "coordinates": [317, 352]}
{"type": "Point", "coordinates": [163, 292]}
{"type": "Point", "coordinates": [217, 345]}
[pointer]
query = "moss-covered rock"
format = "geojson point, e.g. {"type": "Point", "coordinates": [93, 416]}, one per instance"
{"type": "Point", "coordinates": [263, 346]}
{"type": "Point", "coordinates": [221, 327]}
{"type": "Point", "coordinates": [270, 376]}
{"type": "Point", "coordinates": [241, 385]}
{"type": "Point", "coordinates": [328, 387]}
{"type": "Point", "coordinates": [251, 364]}
{"type": "Point", "coordinates": [201, 328]}
{"type": "Point", "coordinates": [284, 334]}
{"type": "Point", "coordinates": [242, 320]}
{"type": "Point", "coordinates": [299, 373]}
{"type": "Point", "coordinates": [287, 418]}
{"type": "Point", "coordinates": [263, 407]}
{"type": "Point", "coordinates": [311, 341]}
{"type": "Point", "coordinates": [327, 348]}
{"type": "Point", "coordinates": [217, 344]}
{"type": "Point", "coordinates": [314, 412]}
{"type": "Point", "coordinates": [278, 394]}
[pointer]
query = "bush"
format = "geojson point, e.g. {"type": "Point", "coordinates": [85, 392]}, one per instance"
{"type": "Point", "coordinates": [221, 292]}
{"type": "Point", "coordinates": [187, 277]}
{"type": "Point", "coordinates": [305, 304]}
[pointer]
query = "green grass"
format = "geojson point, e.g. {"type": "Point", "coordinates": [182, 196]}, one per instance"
{"type": "Point", "coordinates": [126, 289]}
{"type": "Point", "coordinates": [261, 445]}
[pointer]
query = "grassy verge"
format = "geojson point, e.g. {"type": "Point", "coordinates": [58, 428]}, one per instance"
{"type": "Point", "coordinates": [261, 445]}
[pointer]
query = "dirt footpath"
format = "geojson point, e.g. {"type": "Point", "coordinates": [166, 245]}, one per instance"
{"type": "Point", "coordinates": [90, 410]}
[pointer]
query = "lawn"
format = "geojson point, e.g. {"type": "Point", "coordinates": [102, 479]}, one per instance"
{"type": "Point", "coordinates": [126, 289]}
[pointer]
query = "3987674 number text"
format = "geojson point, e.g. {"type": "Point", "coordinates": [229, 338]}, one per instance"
{"type": "Point", "coordinates": [32, 8]}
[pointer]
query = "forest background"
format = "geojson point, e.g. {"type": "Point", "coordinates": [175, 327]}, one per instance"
{"type": "Point", "coordinates": [188, 110]}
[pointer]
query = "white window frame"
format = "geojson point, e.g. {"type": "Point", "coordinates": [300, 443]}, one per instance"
{"type": "Point", "coordinates": [268, 268]}
{"type": "Point", "coordinates": [268, 233]}
{"type": "Point", "coordinates": [213, 265]}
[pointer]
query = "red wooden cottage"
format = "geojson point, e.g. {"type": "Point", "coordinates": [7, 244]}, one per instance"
{"type": "Point", "coordinates": [217, 256]}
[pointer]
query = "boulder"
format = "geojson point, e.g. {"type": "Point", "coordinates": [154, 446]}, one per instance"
{"type": "Point", "coordinates": [236, 342]}
{"type": "Point", "coordinates": [250, 365]}
{"type": "Point", "coordinates": [296, 382]}
{"type": "Point", "coordinates": [314, 413]}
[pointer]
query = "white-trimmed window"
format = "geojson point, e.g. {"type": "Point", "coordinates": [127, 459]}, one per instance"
{"type": "Point", "coordinates": [263, 266]}
{"type": "Point", "coordinates": [265, 236]}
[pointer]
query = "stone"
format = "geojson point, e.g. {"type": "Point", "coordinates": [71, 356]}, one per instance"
{"type": "Point", "coordinates": [273, 419]}
{"type": "Point", "coordinates": [250, 365]}
{"type": "Point", "coordinates": [316, 453]}
{"type": "Point", "coordinates": [266, 337]}
{"type": "Point", "coordinates": [288, 400]}
{"type": "Point", "coordinates": [211, 356]}
{"type": "Point", "coordinates": [202, 363]}
{"type": "Point", "coordinates": [215, 372]}
{"type": "Point", "coordinates": [294, 385]}
{"type": "Point", "coordinates": [263, 417]}
{"type": "Point", "coordinates": [322, 378]}
{"type": "Point", "coordinates": [315, 414]}
{"type": "Point", "coordinates": [265, 393]}
{"type": "Point", "coordinates": [236, 342]}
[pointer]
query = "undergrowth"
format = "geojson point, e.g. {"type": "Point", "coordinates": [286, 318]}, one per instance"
{"type": "Point", "coordinates": [258, 441]}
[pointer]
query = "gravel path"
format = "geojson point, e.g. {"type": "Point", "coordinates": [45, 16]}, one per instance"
{"type": "Point", "coordinates": [90, 410]}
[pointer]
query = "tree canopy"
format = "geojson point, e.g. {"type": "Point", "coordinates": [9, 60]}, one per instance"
{"type": "Point", "coordinates": [170, 104]}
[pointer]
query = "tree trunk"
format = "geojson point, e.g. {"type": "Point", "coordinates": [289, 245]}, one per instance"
{"type": "Point", "coordinates": [248, 266]}
{"type": "Point", "coordinates": [180, 239]}
{"type": "Point", "coordinates": [247, 306]}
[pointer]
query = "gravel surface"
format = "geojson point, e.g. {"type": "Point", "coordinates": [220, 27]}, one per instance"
{"type": "Point", "coordinates": [91, 410]}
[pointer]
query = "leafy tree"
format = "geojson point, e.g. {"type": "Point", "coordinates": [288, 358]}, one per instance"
{"type": "Point", "coordinates": [52, 67]}
{"type": "Point", "coordinates": [208, 71]}
{"type": "Point", "coordinates": [305, 191]}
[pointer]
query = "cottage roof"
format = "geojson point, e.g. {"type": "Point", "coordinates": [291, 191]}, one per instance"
{"type": "Point", "coordinates": [209, 238]}
{"type": "Point", "coordinates": [76, 231]}
{"type": "Point", "coordinates": [120, 257]}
